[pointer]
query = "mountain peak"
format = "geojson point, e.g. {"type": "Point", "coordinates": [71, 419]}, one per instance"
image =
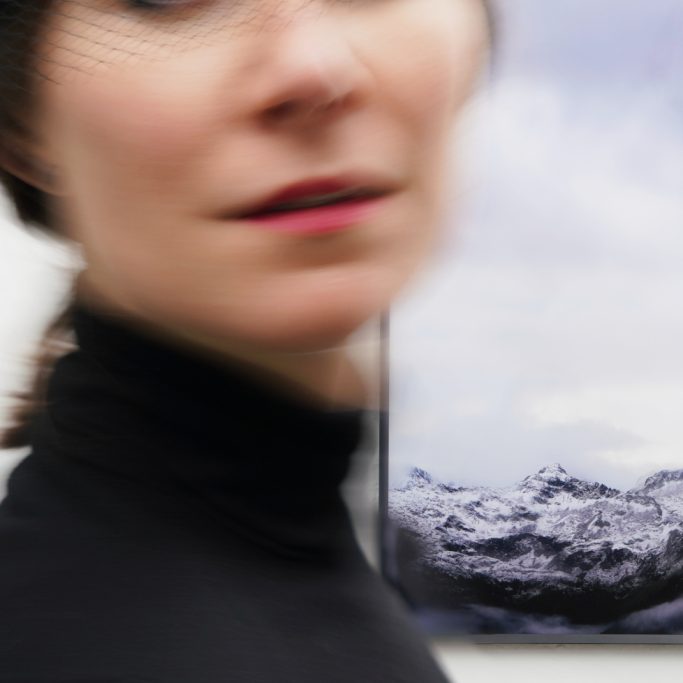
{"type": "Point", "coordinates": [661, 478]}
{"type": "Point", "coordinates": [551, 475]}
{"type": "Point", "coordinates": [419, 477]}
{"type": "Point", "coordinates": [553, 470]}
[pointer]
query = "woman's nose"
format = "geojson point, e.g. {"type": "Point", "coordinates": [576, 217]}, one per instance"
{"type": "Point", "coordinates": [310, 71]}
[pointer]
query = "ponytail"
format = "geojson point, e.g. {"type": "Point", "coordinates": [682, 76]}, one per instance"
{"type": "Point", "coordinates": [57, 340]}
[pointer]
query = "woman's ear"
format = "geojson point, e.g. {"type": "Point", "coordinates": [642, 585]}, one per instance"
{"type": "Point", "coordinates": [21, 158]}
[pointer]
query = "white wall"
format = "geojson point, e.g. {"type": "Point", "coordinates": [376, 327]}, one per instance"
{"type": "Point", "coordinates": [561, 663]}
{"type": "Point", "coordinates": [33, 278]}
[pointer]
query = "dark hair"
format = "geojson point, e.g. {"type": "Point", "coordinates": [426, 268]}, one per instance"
{"type": "Point", "coordinates": [20, 24]}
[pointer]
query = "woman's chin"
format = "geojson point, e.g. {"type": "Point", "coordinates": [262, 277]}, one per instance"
{"type": "Point", "coordinates": [323, 323]}
{"type": "Point", "coordinates": [301, 333]}
{"type": "Point", "coordinates": [299, 319]}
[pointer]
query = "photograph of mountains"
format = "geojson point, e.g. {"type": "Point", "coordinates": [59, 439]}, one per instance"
{"type": "Point", "coordinates": [551, 553]}
{"type": "Point", "coordinates": [532, 473]}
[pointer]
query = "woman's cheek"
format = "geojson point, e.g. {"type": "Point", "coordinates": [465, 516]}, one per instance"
{"type": "Point", "coordinates": [432, 79]}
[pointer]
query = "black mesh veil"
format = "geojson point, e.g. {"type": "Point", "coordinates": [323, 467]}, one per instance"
{"type": "Point", "coordinates": [57, 41]}
{"type": "Point", "coordinates": [52, 39]}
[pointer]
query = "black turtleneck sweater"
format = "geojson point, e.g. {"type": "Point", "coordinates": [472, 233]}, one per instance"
{"type": "Point", "coordinates": [178, 521]}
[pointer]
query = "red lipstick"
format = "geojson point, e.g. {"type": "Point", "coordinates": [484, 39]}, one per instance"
{"type": "Point", "coordinates": [318, 205]}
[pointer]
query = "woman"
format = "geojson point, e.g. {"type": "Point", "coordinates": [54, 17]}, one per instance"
{"type": "Point", "coordinates": [248, 183]}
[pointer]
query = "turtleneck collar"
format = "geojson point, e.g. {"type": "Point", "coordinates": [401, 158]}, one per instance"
{"type": "Point", "coordinates": [262, 461]}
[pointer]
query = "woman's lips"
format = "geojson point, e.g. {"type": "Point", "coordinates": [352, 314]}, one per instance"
{"type": "Point", "coordinates": [320, 219]}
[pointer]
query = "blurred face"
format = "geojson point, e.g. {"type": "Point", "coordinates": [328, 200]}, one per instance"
{"type": "Point", "coordinates": [178, 127]}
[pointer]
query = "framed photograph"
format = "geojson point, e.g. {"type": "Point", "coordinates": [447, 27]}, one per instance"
{"type": "Point", "coordinates": [532, 457]}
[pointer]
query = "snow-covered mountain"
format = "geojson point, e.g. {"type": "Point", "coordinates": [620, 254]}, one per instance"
{"type": "Point", "coordinates": [552, 543]}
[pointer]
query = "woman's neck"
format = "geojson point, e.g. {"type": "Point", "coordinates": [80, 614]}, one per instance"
{"type": "Point", "coordinates": [327, 377]}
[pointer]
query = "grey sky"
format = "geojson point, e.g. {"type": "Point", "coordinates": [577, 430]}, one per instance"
{"type": "Point", "coordinates": [549, 328]}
